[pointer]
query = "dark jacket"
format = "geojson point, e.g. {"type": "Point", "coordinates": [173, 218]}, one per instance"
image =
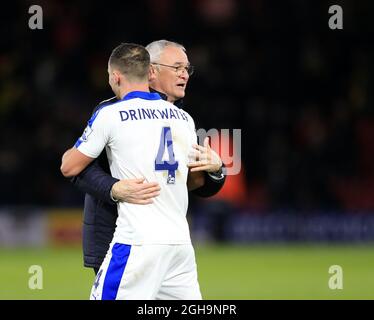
{"type": "Point", "coordinates": [100, 211]}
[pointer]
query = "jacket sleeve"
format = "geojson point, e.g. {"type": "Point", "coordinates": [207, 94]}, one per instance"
{"type": "Point", "coordinates": [210, 187]}
{"type": "Point", "coordinates": [96, 179]}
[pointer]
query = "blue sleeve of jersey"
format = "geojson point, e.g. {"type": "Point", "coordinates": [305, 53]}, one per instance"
{"type": "Point", "coordinates": [95, 181]}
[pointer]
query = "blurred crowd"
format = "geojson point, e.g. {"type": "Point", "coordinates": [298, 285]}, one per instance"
{"type": "Point", "coordinates": [302, 94]}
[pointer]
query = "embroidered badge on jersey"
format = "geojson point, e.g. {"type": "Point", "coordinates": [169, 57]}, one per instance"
{"type": "Point", "coordinates": [86, 133]}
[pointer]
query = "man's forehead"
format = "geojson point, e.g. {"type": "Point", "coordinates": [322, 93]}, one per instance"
{"type": "Point", "coordinates": [174, 55]}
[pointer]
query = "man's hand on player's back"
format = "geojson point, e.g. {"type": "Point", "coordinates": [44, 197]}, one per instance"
{"type": "Point", "coordinates": [135, 191]}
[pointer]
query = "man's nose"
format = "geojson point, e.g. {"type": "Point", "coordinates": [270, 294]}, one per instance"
{"type": "Point", "coordinates": [184, 75]}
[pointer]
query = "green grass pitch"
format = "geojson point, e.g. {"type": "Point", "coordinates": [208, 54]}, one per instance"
{"type": "Point", "coordinates": [225, 272]}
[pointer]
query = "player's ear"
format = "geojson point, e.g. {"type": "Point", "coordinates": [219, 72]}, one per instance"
{"type": "Point", "coordinates": [116, 78]}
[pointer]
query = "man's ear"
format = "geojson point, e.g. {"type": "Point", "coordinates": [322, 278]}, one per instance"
{"type": "Point", "coordinates": [151, 73]}
{"type": "Point", "coordinates": [117, 78]}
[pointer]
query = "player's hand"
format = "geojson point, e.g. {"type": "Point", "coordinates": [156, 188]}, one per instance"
{"type": "Point", "coordinates": [205, 158]}
{"type": "Point", "coordinates": [135, 191]}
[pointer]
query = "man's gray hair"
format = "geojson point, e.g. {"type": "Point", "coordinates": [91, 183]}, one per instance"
{"type": "Point", "coordinates": [156, 48]}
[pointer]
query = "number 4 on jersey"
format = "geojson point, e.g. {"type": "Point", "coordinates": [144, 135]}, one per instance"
{"type": "Point", "coordinates": [170, 165]}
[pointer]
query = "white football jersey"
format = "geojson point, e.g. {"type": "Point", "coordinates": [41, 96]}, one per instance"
{"type": "Point", "coordinates": [145, 136]}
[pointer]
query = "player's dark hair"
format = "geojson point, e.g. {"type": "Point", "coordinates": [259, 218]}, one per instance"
{"type": "Point", "coordinates": [132, 60]}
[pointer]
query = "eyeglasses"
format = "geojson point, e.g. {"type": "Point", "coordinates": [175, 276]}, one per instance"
{"type": "Point", "coordinates": [178, 69]}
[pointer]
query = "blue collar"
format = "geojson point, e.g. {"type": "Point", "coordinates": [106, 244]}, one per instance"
{"type": "Point", "coordinates": [178, 103]}
{"type": "Point", "coordinates": [142, 95]}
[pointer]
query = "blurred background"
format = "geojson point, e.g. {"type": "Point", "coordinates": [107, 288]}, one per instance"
{"type": "Point", "coordinates": [302, 95]}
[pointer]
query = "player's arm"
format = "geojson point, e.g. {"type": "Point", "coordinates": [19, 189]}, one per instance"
{"type": "Point", "coordinates": [95, 179]}
{"type": "Point", "coordinates": [73, 162]}
{"type": "Point", "coordinates": [89, 146]}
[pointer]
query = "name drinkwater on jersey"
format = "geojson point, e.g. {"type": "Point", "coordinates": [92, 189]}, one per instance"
{"type": "Point", "coordinates": [144, 114]}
